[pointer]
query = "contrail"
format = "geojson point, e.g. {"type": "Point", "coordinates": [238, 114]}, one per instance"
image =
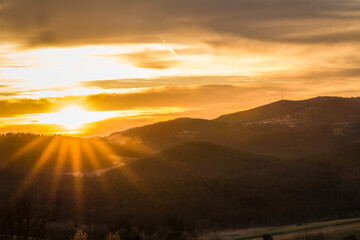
{"type": "Point", "coordinates": [170, 50]}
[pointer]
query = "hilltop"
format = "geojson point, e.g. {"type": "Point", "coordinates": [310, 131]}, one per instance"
{"type": "Point", "coordinates": [282, 129]}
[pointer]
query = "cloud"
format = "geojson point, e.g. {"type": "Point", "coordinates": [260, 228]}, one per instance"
{"type": "Point", "coordinates": [7, 62]}
{"type": "Point", "coordinates": [162, 97]}
{"type": "Point", "coordinates": [212, 99]}
{"type": "Point", "coordinates": [8, 94]}
{"type": "Point", "coordinates": [205, 100]}
{"type": "Point", "coordinates": [165, 81]}
{"type": "Point", "coordinates": [53, 23]}
{"type": "Point", "coordinates": [14, 107]}
{"type": "Point", "coordinates": [150, 59]}
{"type": "Point", "coordinates": [206, 96]}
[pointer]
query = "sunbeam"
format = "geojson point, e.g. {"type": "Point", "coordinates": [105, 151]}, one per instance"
{"type": "Point", "coordinates": [91, 156]}
{"type": "Point", "coordinates": [75, 153]}
{"type": "Point", "coordinates": [63, 154]}
{"type": "Point", "coordinates": [44, 158]}
{"type": "Point", "coordinates": [32, 144]}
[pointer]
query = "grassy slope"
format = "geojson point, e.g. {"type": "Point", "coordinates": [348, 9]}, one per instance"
{"type": "Point", "coordinates": [332, 229]}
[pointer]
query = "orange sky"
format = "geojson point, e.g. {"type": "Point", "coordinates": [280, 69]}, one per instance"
{"type": "Point", "coordinates": [91, 67]}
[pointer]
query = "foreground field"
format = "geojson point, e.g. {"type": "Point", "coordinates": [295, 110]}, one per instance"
{"type": "Point", "coordinates": [332, 229]}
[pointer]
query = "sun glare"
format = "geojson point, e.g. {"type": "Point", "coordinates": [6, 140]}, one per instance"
{"type": "Point", "coordinates": [74, 117]}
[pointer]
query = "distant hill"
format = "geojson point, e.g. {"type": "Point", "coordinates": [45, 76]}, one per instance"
{"type": "Point", "coordinates": [272, 110]}
{"type": "Point", "coordinates": [318, 110]}
{"type": "Point", "coordinates": [283, 129]}
{"type": "Point", "coordinates": [160, 136]}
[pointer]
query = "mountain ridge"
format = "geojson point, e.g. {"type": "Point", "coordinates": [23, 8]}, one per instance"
{"type": "Point", "coordinates": [282, 129]}
{"type": "Point", "coordinates": [274, 109]}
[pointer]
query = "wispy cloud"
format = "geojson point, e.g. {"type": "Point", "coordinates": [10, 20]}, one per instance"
{"type": "Point", "coordinates": [166, 81]}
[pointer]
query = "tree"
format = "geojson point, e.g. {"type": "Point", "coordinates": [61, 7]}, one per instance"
{"type": "Point", "coordinates": [80, 235]}
{"type": "Point", "coordinates": [19, 219]}
{"type": "Point", "coordinates": [113, 236]}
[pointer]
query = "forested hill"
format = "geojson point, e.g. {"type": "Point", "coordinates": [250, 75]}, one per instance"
{"type": "Point", "coordinates": [205, 185]}
{"type": "Point", "coordinates": [287, 129]}
{"type": "Point", "coordinates": [202, 160]}
{"type": "Point", "coordinates": [345, 160]}
{"type": "Point", "coordinates": [274, 110]}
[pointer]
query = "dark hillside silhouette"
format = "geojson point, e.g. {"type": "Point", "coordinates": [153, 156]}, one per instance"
{"type": "Point", "coordinates": [288, 129]}
{"type": "Point", "coordinates": [272, 110]}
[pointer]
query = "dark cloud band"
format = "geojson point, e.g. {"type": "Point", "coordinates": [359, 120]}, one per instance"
{"type": "Point", "coordinates": [52, 22]}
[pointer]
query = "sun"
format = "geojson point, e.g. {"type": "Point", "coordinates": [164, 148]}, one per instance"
{"type": "Point", "coordinates": [74, 117]}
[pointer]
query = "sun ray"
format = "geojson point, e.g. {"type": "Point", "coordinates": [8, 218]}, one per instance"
{"type": "Point", "coordinates": [58, 170]}
{"type": "Point", "coordinates": [32, 144]}
{"type": "Point", "coordinates": [104, 148]}
{"type": "Point", "coordinates": [134, 179]}
{"type": "Point", "coordinates": [50, 148]}
{"type": "Point", "coordinates": [94, 161]}
{"type": "Point", "coordinates": [91, 156]}
{"type": "Point", "coordinates": [75, 153]}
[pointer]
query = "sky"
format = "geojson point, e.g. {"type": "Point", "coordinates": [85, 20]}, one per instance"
{"type": "Point", "coordinates": [90, 68]}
